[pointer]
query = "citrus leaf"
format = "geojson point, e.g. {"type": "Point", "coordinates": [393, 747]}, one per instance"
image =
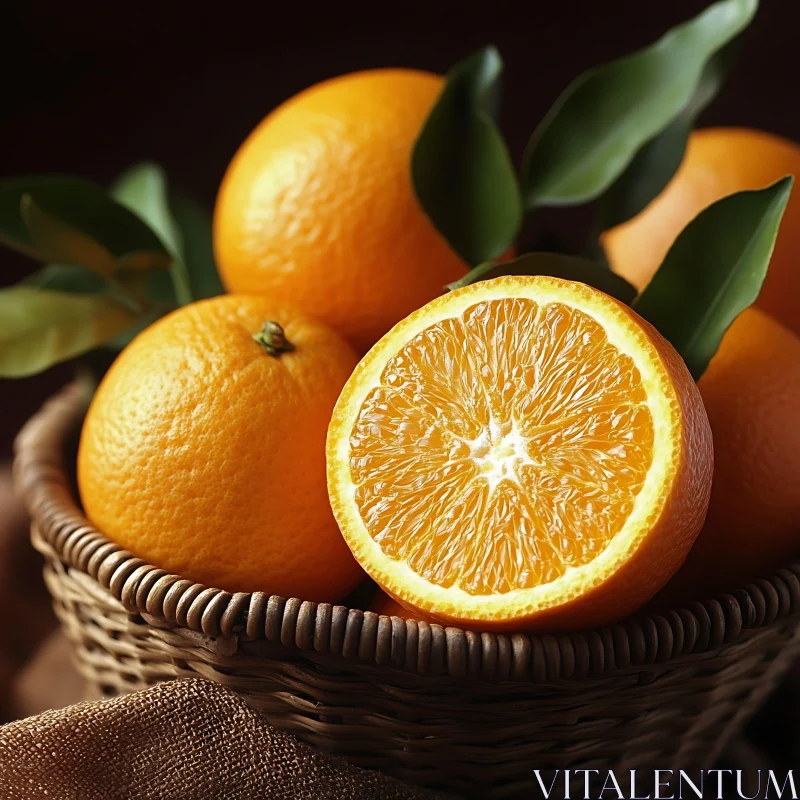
{"type": "Point", "coordinates": [81, 205]}
{"type": "Point", "coordinates": [571, 268]}
{"type": "Point", "coordinates": [67, 278]}
{"type": "Point", "coordinates": [143, 189]}
{"type": "Point", "coordinates": [157, 287]}
{"type": "Point", "coordinates": [194, 223]}
{"type": "Point", "coordinates": [650, 171]}
{"type": "Point", "coordinates": [128, 288]}
{"type": "Point", "coordinates": [58, 241]}
{"type": "Point", "coordinates": [713, 271]}
{"type": "Point", "coordinates": [654, 165]}
{"type": "Point", "coordinates": [604, 117]}
{"type": "Point", "coordinates": [161, 290]}
{"type": "Point", "coordinates": [462, 173]}
{"type": "Point", "coordinates": [41, 327]}
{"type": "Point", "coordinates": [142, 261]}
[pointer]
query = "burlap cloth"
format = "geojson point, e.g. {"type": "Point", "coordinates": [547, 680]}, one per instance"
{"type": "Point", "coordinates": [185, 740]}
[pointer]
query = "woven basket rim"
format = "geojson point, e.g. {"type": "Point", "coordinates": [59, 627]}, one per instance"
{"type": "Point", "coordinates": [168, 600]}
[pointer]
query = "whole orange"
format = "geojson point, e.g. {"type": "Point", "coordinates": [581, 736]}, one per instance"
{"type": "Point", "coordinates": [718, 162]}
{"type": "Point", "coordinates": [751, 391]}
{"type": "Point", "coordinates": [204, 454]}
{"type": "Point", "coordinates": [317, 207]}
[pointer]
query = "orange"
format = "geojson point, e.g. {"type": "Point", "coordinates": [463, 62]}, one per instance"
{"type": "Point", "coordinates": [718, 162]}
{"type": "Point", "coordinates": [751, 391]}
{"type": "Point", "coordinates": [522, 452]}
{"type": "Point", "coordinates": [317, 207]}
{"type": "Point", "coordinates": [204, 454]}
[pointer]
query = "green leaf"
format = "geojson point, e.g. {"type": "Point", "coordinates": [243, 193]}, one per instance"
{"type": "Point", "coordinates": [571, 268]}
{"type": "Point", "coordinates": [143, 189]}
{"type": "Point", "coordinates": [650, 171]}
{"type": "Point", "coordinates": [58, 241]}
{"type": "Point", "coordinates": [67, 278]}
{"type": "Point", "coordinates": [159, 290]}
{"type": "Point", "coordinates": [194, 223]}
{"type": "Point", "coordinates": [461, 169]}
{"type": "Point", "coordinates": [41, 327]}
{"type": "Point", "coordinates": [81, 205]}
{"type": "Point", "coordinates": [713, 271]}
{"type": "Point", "coordinates": [654, 165]}
{"type": "Point", "coordinates": [602, 120]}
{"type": "Point", "coordinates": [129, 289]}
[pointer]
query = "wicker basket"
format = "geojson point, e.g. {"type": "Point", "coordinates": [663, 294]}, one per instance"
{"type": "Point", "coordinates": [461, 711]}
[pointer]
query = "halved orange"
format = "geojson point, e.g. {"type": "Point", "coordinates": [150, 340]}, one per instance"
{"type": "Point", "coordinates": [525, 452]}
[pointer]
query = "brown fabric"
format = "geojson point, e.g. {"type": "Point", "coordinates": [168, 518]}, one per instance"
{"type": "Point", "coordinates": [183, 740]}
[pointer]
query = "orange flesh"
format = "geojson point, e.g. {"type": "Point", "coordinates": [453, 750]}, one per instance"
{"type": "Point", "coordinates": [502, 447]}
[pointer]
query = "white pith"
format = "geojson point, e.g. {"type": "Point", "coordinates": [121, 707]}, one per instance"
{"type": "Point", "coordinates": [498, 453]}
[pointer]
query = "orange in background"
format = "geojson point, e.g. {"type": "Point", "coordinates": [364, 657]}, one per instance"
{"type": "Point", "coordinates": [317, 207]}
{"type": "Point", "coordinates": [718, 162]}
{"type": "Point", "coordinates": [751, 391]}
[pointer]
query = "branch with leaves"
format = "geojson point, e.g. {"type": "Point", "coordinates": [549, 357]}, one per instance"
{"type": "Point", "coordinates": [614, 138]}
{"type": "Point", "coordinates": [114, 262]}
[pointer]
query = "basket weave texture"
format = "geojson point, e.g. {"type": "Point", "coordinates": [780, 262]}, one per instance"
{"type": "Point", "coordinates": [472, 713]}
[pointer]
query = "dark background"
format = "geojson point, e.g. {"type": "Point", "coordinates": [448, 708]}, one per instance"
{"type": "Point", "coordinates": [89, 88]}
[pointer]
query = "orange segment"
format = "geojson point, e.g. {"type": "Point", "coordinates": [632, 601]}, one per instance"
{"type": "Point", "coordinates": [506, 450]}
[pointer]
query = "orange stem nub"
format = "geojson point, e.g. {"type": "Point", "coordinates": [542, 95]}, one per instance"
{"type": "Point", "coordinates": [272, 338]}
